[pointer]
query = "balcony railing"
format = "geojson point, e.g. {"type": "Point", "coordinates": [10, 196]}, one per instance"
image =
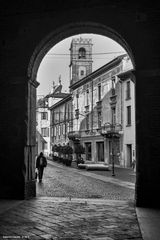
{"type": "Point", "coordinates": [111, 130]}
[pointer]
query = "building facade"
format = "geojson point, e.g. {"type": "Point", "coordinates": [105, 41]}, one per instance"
{"type": "Point", "coordinates": [43, 126]}
{"type": "Point", "coordinates": [128, 155]}
{"type": "Point", "coordinates": [99, 104]}
{"type": "Point", "coordinates": [61, 121]}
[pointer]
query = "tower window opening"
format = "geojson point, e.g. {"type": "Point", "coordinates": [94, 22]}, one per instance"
{"type": "Point", "coordinates": [82, 72]}
{"type": "Point", "coordinates": [82, 53]}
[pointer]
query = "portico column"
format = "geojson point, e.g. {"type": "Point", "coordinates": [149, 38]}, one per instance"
{"type": "Point", "coordinates": [29, 150]}
{"type": "Point", "coordinates": [18, 135]}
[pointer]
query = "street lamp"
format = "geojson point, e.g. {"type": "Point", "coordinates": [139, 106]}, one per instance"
{"type": "Point", "coordinates": [112, 131]}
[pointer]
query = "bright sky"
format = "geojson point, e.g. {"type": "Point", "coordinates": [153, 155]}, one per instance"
{"type": "Point", "coordinates": [52, 66]}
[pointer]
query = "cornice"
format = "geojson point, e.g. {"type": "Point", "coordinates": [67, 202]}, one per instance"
{"type": "Point", "coordinates": [99, 71]}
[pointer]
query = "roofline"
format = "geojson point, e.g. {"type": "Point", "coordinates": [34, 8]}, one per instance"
{"type": "Point", "coordinates": [65, 99]}
{"type": "Point", "coordinates": [100, 70]}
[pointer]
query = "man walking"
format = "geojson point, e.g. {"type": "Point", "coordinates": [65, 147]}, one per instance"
{"type": "Point", "coordinates": [41, 162]}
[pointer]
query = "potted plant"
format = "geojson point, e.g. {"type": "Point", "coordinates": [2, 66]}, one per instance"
{"type": "Point", "coordinates": [68, 152]}
{"type": "Point", "coordinates": [79, 149]}
{"type": "Point", "coordinates": [63, 150]}
{"type": "Point", "coordinates": [60, 152]}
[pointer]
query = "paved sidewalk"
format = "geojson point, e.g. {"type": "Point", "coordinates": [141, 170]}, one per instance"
{"type": "Point", "coordinates": [70, 219]}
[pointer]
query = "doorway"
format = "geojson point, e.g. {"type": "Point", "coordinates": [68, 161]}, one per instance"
{"type": "Point", "coordinates": [129, 155]}
{"type": "Point", "coordinates": [100, 151]}
{"type": "Point", "coordinates": [88, 151]}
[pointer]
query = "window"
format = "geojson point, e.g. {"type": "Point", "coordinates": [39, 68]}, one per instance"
{"type": "Point", "coordinates": [45, 132]}
{"type": "Point", "coordinates": [52, 131]}
{"type": "Point", "coordinates": [64, 129]}
{"type": "Point", "coordinates": [87, 97]}
{"type": "Point", "coordinates": [53, 116]}
{"type": "Point", "coordinates": [82, 53]}
{"type": "Point", "coordinates": [99, 119]}
{"type": "Point", "coordinates": [114, 115]}
{"type": "Point", "coordinates": [82, 72]}
{"type": "Point", "coordinates": [77, 113]}
{"type": "Point", "coordinates": [68, 127]}
{"type": "Point", "coordinates": [55, 131]}
{"type": "Point", "coordinates": [100, 151]}
{"type": "Point", "coordinates": [128, 90]}
{"type": "Point", "coordinates": [87, 121]}
{"type": "Point", "coordinates": [113, 86]}
{"type": "Point", "coordinates": [59, 130]}
{"type": "Point", "coordinates": [129, 115]}
{"type": "Point", "coordinates": [99, 92]}
{"type": "Point", "coordinates": [68, 114]}
{"type": "Point", "coordinates": [77, 96]}
{"type": "Point", "coordinates": [44, 116]}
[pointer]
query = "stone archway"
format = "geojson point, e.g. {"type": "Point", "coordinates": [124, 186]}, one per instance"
{"type": "Point", "coordinates": [44, 46]}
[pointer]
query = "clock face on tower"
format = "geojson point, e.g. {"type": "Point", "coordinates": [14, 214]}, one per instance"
{"type": "Point", "coordinates": [80, 59]}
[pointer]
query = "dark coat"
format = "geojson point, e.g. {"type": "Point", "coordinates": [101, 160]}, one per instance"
{"type": "Point", "coordinates": [38, 161]}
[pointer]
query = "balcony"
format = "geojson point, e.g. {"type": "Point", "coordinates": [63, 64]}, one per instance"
{"type": "Point", "coordinates": [109, 130]}
{"type": "Point", "coordinates": [74, 135]}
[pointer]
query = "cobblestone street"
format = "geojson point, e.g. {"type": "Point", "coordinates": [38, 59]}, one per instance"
{"type": "Point", "coordinates": [74, 204]}
{"type": "Point", "coordinates": [62, 181]}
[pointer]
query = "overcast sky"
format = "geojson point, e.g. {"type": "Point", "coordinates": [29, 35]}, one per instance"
{"type": "Point", "coordinates": [53, 65]}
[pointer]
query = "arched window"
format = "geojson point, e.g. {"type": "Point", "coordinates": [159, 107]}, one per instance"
{"type": "Point", "coordinates": [82, 53]}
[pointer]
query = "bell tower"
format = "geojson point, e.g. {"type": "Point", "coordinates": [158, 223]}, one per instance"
{"type": "Point", "coordinates": [80, 59]}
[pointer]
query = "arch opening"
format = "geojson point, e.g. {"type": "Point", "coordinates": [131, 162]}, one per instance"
{"type": "Point", "coordinates": [67, 31]}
